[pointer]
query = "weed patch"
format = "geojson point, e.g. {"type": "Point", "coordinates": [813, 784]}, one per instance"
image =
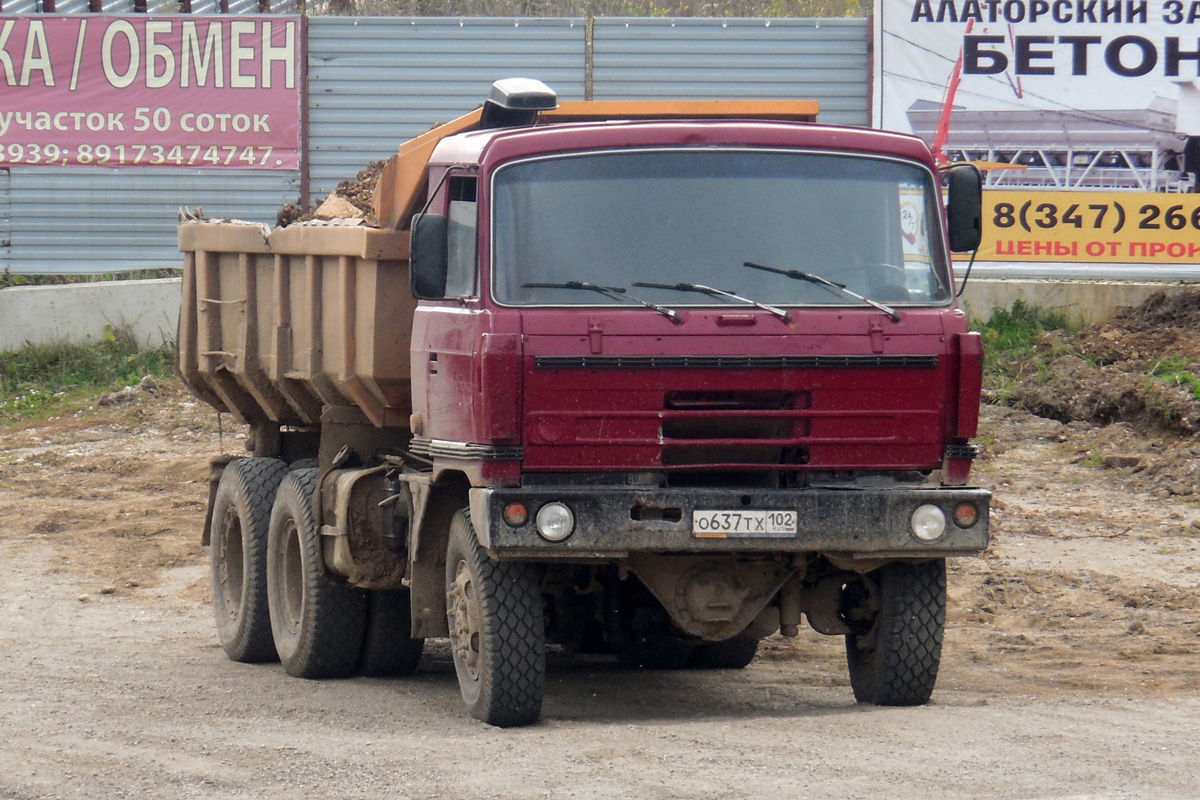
{"type": "Point", "coordinates": [1020, 343]}
{"type": "Point", "coordinates": [41, 380]}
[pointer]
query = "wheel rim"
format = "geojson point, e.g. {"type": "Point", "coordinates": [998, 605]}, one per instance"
{"type": "Point", "coordinates": [231, 569]}
{"type": "Point", "coordinates": [462, 606]}
{"type": "Point", "coordinates": [292, 594]}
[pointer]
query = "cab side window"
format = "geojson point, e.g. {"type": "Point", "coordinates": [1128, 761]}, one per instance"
{"type": "Point", "coordinates": [461, 274]}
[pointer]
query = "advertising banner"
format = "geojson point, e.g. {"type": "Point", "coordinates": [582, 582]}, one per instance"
{"type": "Point", "coordinates": [177, 91]}
{"type": "Point", "coordinates": [1084, 115]}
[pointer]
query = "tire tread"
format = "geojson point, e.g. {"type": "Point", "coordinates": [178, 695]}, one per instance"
{"type": "Point", "coordinates": [903, 667]}
{"type": "Point", "coordinates": [333, 615]}
{"type": "Point", "coordinates": [511, 689]}
{"type": "Point", "coordinates": [250, 486]}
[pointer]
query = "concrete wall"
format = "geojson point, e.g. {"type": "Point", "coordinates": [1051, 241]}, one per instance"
{"type": "Point", "coordinates": [78, 312]}
{"type": "Point", "coordinates": [1084, 302]}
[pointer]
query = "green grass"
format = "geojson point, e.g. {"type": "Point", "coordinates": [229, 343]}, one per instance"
{"type": "Point", "coordinates": [40, 381]}
{"type": "Point", "coordinates": [1010, 345]}
{"type": "Point", "coordinates": [1094, 459]}
{"type": "Point", "coordinates": [8, 279]}
{"type": "Point", "coordinates": [1177, 371]}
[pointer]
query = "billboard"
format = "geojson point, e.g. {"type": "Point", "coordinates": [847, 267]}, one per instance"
{"type": "Point", "coordinates": [169, 91]}
{"type": "Point", "coordinates": [1084, 114]}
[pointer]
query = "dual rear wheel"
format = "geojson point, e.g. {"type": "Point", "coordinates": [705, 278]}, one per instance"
{"type": "Point", "coordinates": [270, 596]}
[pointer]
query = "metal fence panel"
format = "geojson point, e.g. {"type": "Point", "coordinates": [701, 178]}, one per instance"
{"type": "Point", "coordinates": [74, 221]}
{"type": "Point", "coordinates": [376, 82]}
{"type": "Point", "coordinates": [5, 240]}
{"type": "Point", "coordinates": [769, 59]}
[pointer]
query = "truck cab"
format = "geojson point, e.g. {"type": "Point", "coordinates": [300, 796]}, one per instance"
{"type": "Point", "coordinates": [718, 362]}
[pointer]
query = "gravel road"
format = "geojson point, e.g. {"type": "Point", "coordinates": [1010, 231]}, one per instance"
{"type": "Point", "coordinates": [1070, 667]}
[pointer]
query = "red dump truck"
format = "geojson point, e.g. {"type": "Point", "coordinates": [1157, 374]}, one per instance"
{"type": "Point", "coordinates": [650, 379]}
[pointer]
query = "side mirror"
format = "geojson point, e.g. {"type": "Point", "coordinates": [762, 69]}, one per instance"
{"type": "Point", "coordinates": [964, 212]}
{"type": "Point", "coordinates": [428, 256]}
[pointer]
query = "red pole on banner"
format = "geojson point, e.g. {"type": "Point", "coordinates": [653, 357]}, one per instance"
{"type": "Point", "coordinates": [943, 128]}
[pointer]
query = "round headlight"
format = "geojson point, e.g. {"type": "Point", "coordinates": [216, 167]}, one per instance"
{"type": "Point", "coordinates": [555, 522]}
{"type": "Point", "coordinates": [928, 523]}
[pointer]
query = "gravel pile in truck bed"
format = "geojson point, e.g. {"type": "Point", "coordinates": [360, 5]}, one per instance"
{"type": "Point", "coordinates": [351, 198]}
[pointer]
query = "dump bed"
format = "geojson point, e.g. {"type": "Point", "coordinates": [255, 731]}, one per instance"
{"type": "Point", "coordinates": [276, 324]}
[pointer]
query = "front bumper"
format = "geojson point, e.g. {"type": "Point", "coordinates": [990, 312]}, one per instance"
{"type": "Point", "coordinates": [612, 522]}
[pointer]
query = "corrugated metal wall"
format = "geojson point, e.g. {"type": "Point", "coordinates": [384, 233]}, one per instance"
{"type": "Point", "coordinates": [798, 59]}
{"type": "Point", "coordinates": [5, 243]}
{"type": "Point", "coordinates": [375, 82]}
{"type": "Point", "coordinates": [74, 221]}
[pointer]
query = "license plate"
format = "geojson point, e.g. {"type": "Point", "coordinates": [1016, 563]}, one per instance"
{"type": "Point", "coordinates": [743, 524]}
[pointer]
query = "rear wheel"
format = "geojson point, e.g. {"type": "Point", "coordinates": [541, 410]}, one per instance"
{"type": "Point", "coordinates": [497, 634]}
{"type": "Point", "coordinates": [735, 653]}
{"type": "Point", "coordinates": [894, 656]}
{"type": "Point", "coordinates": [388, 648]}
{"type": "Point", "coordinates": [238, 557]}
{"type": "Point", "coordinates": [658, 652]}
{"type": "Point", "coordinates": [317, 623]}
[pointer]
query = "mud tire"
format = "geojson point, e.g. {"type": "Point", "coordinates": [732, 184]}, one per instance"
{"type": "Point", "coordinates": [238, 557]}
{"type": "Point", "coordinates": [735, 653]}
{"type": "Point", "coordinates": [895, 661]}
{"type": "Point", "coordinates": [388, 648]}
{"type": "Point", "coordinates": [317, 623]}
{"type": "Point", "coordinates": [497, 634]}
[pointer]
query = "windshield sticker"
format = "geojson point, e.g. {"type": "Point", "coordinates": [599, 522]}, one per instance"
{"type": "Point", "coordinates": [914, 238]}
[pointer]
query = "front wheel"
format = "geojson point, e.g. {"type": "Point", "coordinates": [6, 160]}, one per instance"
{"type": "Point", "coordinates": [894, 656]}
{"type": "Point", "coordinates": [497, 634]}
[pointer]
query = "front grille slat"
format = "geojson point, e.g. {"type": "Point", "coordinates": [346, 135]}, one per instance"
{"type": "Point", "coordinates": [737, 362]}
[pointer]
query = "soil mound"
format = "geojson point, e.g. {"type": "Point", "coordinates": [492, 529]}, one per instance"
{"type": "Point", "coordinates": [1140, 367]}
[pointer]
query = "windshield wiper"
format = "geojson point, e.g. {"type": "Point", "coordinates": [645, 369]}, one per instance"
{"type": "Point", "coordinates": [817, 279]}
{"type": "Point", "coordinates": [615, 292]}
{"type": "Point", "coordinates": [702, 289]}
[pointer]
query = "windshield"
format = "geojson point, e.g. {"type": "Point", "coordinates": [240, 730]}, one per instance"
{"type": "Point", "coordinates": [626, 219]}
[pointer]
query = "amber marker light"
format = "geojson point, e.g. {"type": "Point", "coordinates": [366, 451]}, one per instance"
{"type": "Point", "coordinates": [965, 515]}
{"type": "Point", "coordinates": [516, 514]}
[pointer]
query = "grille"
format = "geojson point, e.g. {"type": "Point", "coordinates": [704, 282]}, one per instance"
{"type": "Point", "coordinates": [735, 429]}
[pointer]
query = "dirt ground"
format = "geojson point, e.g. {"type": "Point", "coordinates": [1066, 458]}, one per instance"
{"type": "Point", "coordinates": [1071, 666]}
